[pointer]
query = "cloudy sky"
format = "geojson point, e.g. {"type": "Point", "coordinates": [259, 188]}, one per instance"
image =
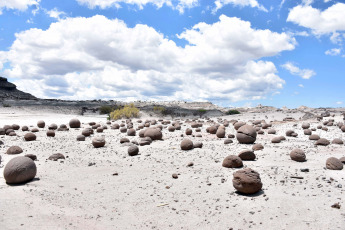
{"type": "Point", "coordinates": [229, 52]}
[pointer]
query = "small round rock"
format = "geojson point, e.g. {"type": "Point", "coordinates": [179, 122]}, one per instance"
{"type": "Point", "coordinates": [186, 144]}
{"type": "Point", "coordinates": [232, 161]}
{"type": "Point", "coordinates": [98, 142]}
{"type": "Point", "coordinates": [298, 155]}
{"type": "Point", "coordinates": [30, 137]}
{"type": "Point", "coordinates": [247, 181]}
{"type": "Point", "coordinates": [333, 163]}
{"type": "Point", "coordinates": [133, 150]}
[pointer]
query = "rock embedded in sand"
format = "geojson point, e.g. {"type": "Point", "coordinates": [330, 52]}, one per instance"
{"type": "Point", "coordinates": [257, 147]}
{"type": "Point", "coordinates": [145, 141]}
{"type": "Point", "coordinates": [34, 130]}
{"type": "Point", "coordinates": [239, 124]}
{"type": "Point", "coordinates": [30, 137]}
{"type": "Point", "coordinates": [333, 163]}
{"type": "Point", "coordinates": [31, 156]}
{"type": "Point", "coordinates": [343, 128]}
{"type": "Point", "coordinates": [289, 133]}
{"type": "Point", "coordinates": [153, 133]}
{"type": "Point", "coordinates": [228, 141]}
{"type": "Point", "coordinates": [98, 142]}
{"type": "Point", "coordinates": [41, 124]}
{"type": "Point", "coordinates": [298, 155]}
{"type": "Point", "coordinates": [124, 140]}
{"type": "Point", "coordinates": [87, 132]}
{"type": "Point", "coordinates": [80, 138]}
{"type": "Point", "coordinates": [14, 150]}
{"type": "Point", "coordinates": [322, 141]}
{"type": "Point", "coordinates": [314, 137]}
{"type": "Point", "coordinates": [20, 170]}
{"type": "Point", "coordinates": [305, 125]}
{"type": "Point", "coordinates": [197, 145]}
{"type": "Point", "coordinates": [186, 144]}
{"type": "Point", "coordinates": [342, 159]}
{"type": "Point", "coordinates": [2, 131]}
{"type": "Point", "coordinates": [56, 156]}
{"type": "Point", "coordinates": [15, 127]}
{"type": "Point", "coordinates": [220, 133]}
{"type": "Point", "coordinates": [171, 128]}
{"type": "Point", "coordinates": [74, 123]}
{"type": "Point", "coordinates": [246, 134]}
{"type": "Point", "coordinates": [99, 130]}
{"type": "Point", "coordinates": [247, 181]}
{"type": "Point", "coordinates": [25, 128]}
{"type": "Point", "coordinates": [212, 130]}
{"type": "Point", "coordinates": [52, 126]}
{"type": "Point", "coordinates": [131, 132]}
{"type": "Point", "coordinates": [247, 155]}
{"type": "Point", "coordinates": [232, 161]}
{"type": "Point", "coordinates": [276, 140]}
{"type": "Point", "coordinates": [271, 131]}
{"type": "Point", "coordinates": [133, 150]}
{"type": "Point", "coordinates": [50, 133]}
{"type": "Point", "coordinates": [337, 141]}
{"type": "Point", "coordinates": [189, 131]}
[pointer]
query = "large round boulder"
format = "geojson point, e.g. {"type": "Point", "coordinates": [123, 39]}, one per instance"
{"type": "Point", "coordinates": [98, 142]}
{"type": "Point", "coordinates": [232, 161]}
{"type": "Point", "coordinates": [74, 123]}
{"type": "Point", "coordinates": [220, 133]}
{"type": "Point", "coordinates": [41, 124]}
{"type": "Point", "coordinates": [333, 163]}
{"type": "Point", "coordinates": [298, 155]}
{"type": "Point", "coordinates": [50, 133]}
{"type": "Point", "coordinates": [20, 170]}
{"type": "Point", "coordinates": [14, 150]}
{"type": "Point", "coordinates": [337, 141]}
{"type": "Point", "coordinates": [247, 181]}
{"type": "Point", "coordinates": [133, 150]}
{"type": "Point", "coordinates": [186, 144]}
{"type": "Point", "coordinates": [246, 134]}
{"type": "Point", "coordinates": [153, 133]}
{"type": "Point", "coordinates": [30, 137]}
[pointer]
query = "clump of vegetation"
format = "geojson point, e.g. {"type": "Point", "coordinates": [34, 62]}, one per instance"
{"type": "Point", "coordinates": [159, 109]}
{"type": "Point", "coordinates": [6, 105]}
{"type": "Point", "coordinates": [232, 112]}
{"type": "Point", "coordinates": [128, 111]}
{"type": "Point", "coordinates": [106, 109]}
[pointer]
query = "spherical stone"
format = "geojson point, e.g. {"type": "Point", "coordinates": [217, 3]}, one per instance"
{"type": "Point", "coordinates": [282, 138]}
{"type": "Point", "coordinates": [289, 133]}
{"type": "Point", "coordinates": [276, 140]}
{"type": "Point", "coordinates": [228, 141]}
{"type": "Point", "coordinates": [145, 141]}
{"type": "Point", "coordinates": [189, 131]}
{"type": "Point", "coordinates": [11, 134]}
{"type": "Point", "coordinates": [186, 144]}
{"type": "Point", "coordinates": [30, 137]}
{"type": "Point", "coordinates": [298, 155]}
{"type": "Point", "coordinates": [314, 137]}
{"type": "Point", "coordinates": [324, 128]}
{"type": "Point", "coordinates": [212, 129]}
{"type": "Point", "coordinates": [266, 126]}
{"type": "Point", "coordinates": [6, 127]}
{"type": "Point", "coordinates": [20, 170]}
{"type": "Point", "coordinates": [271, 131]}
{"type": "Point", "coordinates": [86, 132]}
{"type": "Point", "coordinates": [8, 131]}
{"type": "Point", "coordinates": [261, 132]}
{"type": "Point", "coordinates": [198, 135]}
{"type": "Point", "coordinates": [322, 141]}
{"type": "Point", "coordinates": [99, 130]}
{"type": "Point", "coordinates": [231, 135]}
{"type": "Point", "coordinates": [337, 141]}
{"type": "Point", "coordinates": [133, 150]}
{"type": "Point", "coordinates": [197, 145]}
{"type": "Point", "coordinates": [141, 133]}
{"type": "Point", "coordinates": [257, 147]}
{"type": "Point", "coordinates": [247, 155]}
{"type": "Point", "coordinates": [15, 127]}
{"type": "Point", "coordinates": [333, 163]}
{"type": "Point", "coordinates": [41, 124]}
{"type": "Point", "coordinates": [80, 138]}
{"type": "Point", "coordinates": [232, 161]}
{"type": "Point", "coordinates": [34, 130]}
{"type": "Point", "coordinates": [294, 134]}
{"type": "Point", "coordinates": [2, 131]}
{"type": "Point", "coordinates": [247, 181]}
{"type": "Point", "coordinates": [123, 129]}
{"type": "Point", "coordinates": [246, 134]}
{"type": "Point", "coordinates": [154, 134]}
{"type": "Point", "coordinates": [52, 126]}
{"type": "Point", "coordinates": [31, 156]}
{"type": "Point", "coordinates": [63, 126]}
{"type": "Point", "coordinates": [220, 133]}
{"type": "Point", "coordinates": [92, 123]}
{"type": "Point", "coordinates": [239, 124]}
{"type": "Point", "coordinates": [74, 123]}
{"type": "Point", "coordinates": [131, 132]}
{"type": "Point", "coordinates": [307, 132]}
{"type": "Point", "coordinates": [50, 133]}
{"type": "Point", "coordinates": [124, 140]}
{"type": "Point", "coordinates": [115, 126]}
{"type": "Point", "coordinates": [178, 127]}
{"type": "Point", "coordinates": [25, 128]}
{"type": "Point", "coordinates": [56, 156]}
{"type": "Point", "coordinates": [14, 150]}
{"type": "Point", "coordinates": [305, 125]}
{"type": "Point", "coordinates": [171, 128]}
{"type": "Point", "coordinates": [98, 142]}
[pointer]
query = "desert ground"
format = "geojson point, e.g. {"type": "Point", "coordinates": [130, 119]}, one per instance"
{"type": "Point", "coordinates": [105, 188]}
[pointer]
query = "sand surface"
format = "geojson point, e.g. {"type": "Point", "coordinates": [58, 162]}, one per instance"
{"type": "Point", "coordinates": [81, 191]}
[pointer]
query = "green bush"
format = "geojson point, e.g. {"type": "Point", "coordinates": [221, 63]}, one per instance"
{"type": "Point", "coordinates": [159, 109]}
{"type": "Point", "coordinates": [106, 109]}
{"type": "Point", "coordinates": [232, 112]}
{"type": "Point", "coordinates": [6, 105]}
{"type": "Point", "coordinates": [128, 111]}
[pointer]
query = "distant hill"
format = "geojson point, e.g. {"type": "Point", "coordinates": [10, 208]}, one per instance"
{"type": "Point", "coordinates": [9, 91]}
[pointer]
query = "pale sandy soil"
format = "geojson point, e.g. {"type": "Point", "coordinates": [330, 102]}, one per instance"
{"type": "Point", "coordinates": [69, 194]}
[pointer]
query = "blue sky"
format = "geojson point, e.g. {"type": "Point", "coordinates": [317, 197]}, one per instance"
{"type": "Point", "coordinates": [229, 52]}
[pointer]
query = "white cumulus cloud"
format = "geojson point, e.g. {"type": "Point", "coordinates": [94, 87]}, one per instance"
{"type": "Point", "coordinates": [320, 22]}
{"type": "Point", "coordinates": [294, 70]}
{"type": "Point", "coordinates": [242, 3]}
{"type": "Point", "coordinates": [21, 5]}
{"type": "Point", "coordinates": [333, 52]}
{"type": "Point", "coordinates": [87, 58]}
